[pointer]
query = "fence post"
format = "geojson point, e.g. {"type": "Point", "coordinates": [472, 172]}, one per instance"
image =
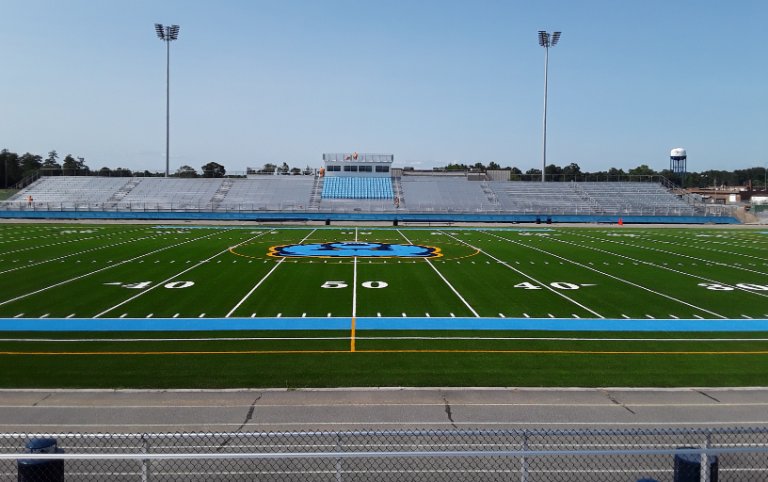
{"type": "Point", "coordinates": [338, 460]}
{"type": "Point", "coordinates": [704, 473]}
{"type": "Point", "coordinates": [145, 448]}
{"type": "Point", "coordinates": [524, 460]}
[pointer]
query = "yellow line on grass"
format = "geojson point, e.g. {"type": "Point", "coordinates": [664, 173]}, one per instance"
{"type": "Point", "coordinates": [352, 336]}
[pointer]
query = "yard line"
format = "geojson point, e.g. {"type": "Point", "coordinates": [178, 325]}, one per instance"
{"type": "Point", "coordinates": [256, 286]}
{"type": "Point", "coordinates": [55, 285]}
{"type": "Point", "coordinates": [610, 275]}
{"type": "Point", "coordinates": [74, 254]}
{"type": "Point", "coordinates": [649, 263]}
{"type": "Point", "coordinates": [168, 280]}
{"type": "Point", "coordinates": [354, 284]}
{"type": "Point", "coordinates": [443, 278]}
{"type": "Point", "coordinates": [543, 285]}
{"type": "Point", "coordinates": [649, 248]}
{"type": "Point", "coordinates": [59, 243]}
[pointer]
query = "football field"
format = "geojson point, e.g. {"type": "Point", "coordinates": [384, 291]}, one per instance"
{"type": "Point", "coordinates": [415, 300]}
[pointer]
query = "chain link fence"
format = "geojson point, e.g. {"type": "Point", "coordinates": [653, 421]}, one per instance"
{"type": "Point", "coordinates": [679, 455]}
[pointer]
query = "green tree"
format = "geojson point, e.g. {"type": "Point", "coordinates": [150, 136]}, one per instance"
{"type": "Point", "coordinates": [50, 163]}
{"type": "Point", "coordinates": [213, 169]}
{"type": "Point", "coordinates": [572, 169]}
{"type": "Point", "coordinates": [186, 171]}
{"type": "Point", "coordinates": [10, 168]}
{"type": "Point", "coordinates": [642, 170]}
{"type": "Point", "coordinates": [72, 166]}
{"type": "Point", "coordinates": [30, 163]}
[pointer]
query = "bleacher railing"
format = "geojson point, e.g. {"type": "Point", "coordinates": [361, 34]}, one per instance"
{"type": "Point", "coordinates": [457, 455]}
{"type": "Point", "coordinates": [373, 206]}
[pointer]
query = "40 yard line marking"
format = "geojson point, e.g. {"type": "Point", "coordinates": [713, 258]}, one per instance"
{"type": "Point", "coordinates": [544, 285]}
{"type": "Point", "coordinates": [168, 280]}
{"type": "Point", "coordinates": [672, 298]}
{"type": "Point", "coordinates": [103, 269]}
{"type": "Point", "coordinates": [261, 281]}
{"type": "Point", "coordinates": [443, 278]}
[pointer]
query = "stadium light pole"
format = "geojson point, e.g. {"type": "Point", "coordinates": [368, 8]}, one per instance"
{"type": "Point", "coordinates": [546, 40]}
{"type": "Point", "coordinates": [167, 34]}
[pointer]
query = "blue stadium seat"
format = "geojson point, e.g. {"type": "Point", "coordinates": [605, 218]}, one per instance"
{"type": "Point", "coordinates": [357, 188]}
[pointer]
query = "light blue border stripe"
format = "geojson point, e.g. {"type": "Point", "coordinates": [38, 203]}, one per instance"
{"type": "Point", "coordinates": [231, 324]}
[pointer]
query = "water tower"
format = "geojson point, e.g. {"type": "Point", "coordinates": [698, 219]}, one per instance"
{"type": "Point", "coordinates": [677, 163]}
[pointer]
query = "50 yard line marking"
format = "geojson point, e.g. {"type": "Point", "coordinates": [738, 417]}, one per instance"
{"type": "Point", "coordinates": [443, 278]}
{"type": "Point", "coordinates": [261, 281]}
{"type": "Point", "coordinates": [354, 301]}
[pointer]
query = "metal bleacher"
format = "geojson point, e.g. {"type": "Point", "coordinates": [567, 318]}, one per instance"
{"type": "Point", "coordinates": [589, 198]}
{"type": "Point", "coordinates": [415, 194]}
{"type": "Point", "coordinates": [427, 193]}
{"type": "Point", "coordinates": [271, 193]}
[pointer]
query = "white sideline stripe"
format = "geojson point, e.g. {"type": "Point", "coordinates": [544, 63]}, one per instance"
{"type": "Point", "coordinates": [445, 280]}
{"type": "Point", "coordinates": [56, 285]}
{"type": "Point", "coordinates": [256, 286]}
{"type": "Point", "coordinates": [544, 285]}
{"type": "Point", "coordinates": [649, 263]}
{"type": "Point", "coordinates": [168, 280]}
{"type": "Point", "coordinates": [610, 275]}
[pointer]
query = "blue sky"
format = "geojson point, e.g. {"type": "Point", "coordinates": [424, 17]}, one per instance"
{"type": "Point", "coordinates": [431, 82]}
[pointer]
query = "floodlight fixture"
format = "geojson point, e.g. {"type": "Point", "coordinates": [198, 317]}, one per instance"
{"type": "Point", "coordinates": [167, 34]}
{"type": "Point", "coordinates": [546, 40]}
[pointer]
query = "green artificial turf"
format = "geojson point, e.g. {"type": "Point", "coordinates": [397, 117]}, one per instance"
{"type": "Point", "coordinates": [141, 271]}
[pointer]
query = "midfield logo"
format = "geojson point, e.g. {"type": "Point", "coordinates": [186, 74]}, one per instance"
{"type": "Point", "coordinates": [354, 250]}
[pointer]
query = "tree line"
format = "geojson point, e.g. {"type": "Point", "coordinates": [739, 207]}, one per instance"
{"type": "Point", "coordinates": [754, 177]}
{"type": "Point", "coordinates": [15, 168]}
